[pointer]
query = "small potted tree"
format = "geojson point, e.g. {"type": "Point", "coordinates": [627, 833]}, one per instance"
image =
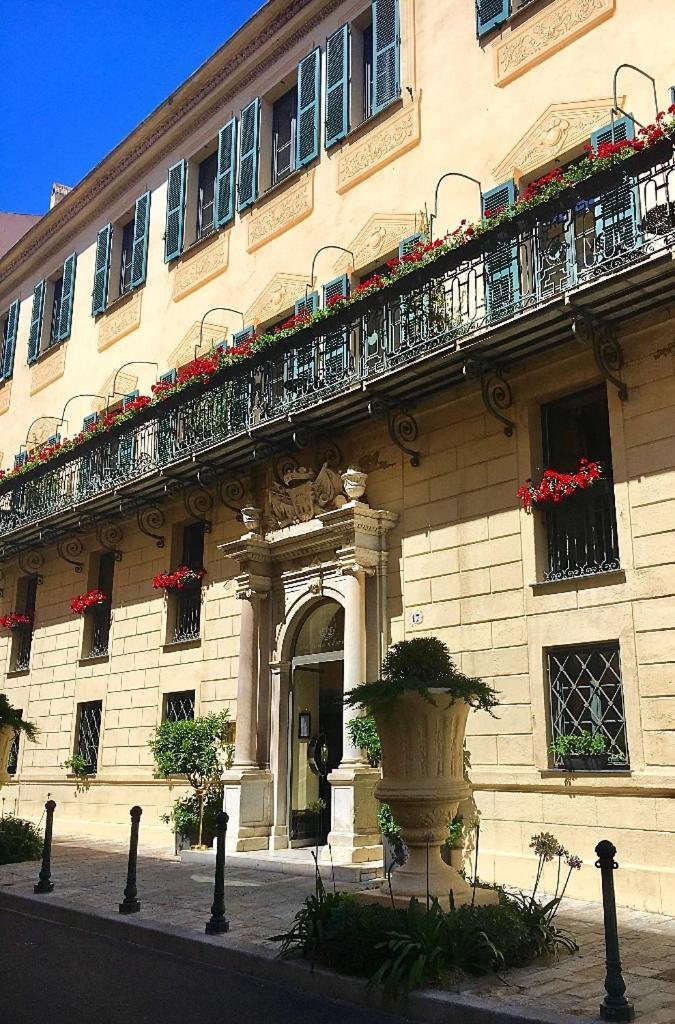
{"type": "Point", "coordinates": [420, 706]}
{"type": "Point", "coordinates": [11, 722]}
{"type": "Point", "coordinates": [196, 748]}
{"type": "Point", "coordinates": [581, 752]}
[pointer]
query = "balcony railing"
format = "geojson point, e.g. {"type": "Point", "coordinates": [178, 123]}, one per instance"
{"type": "Point", "coordinates": [581, 534]}
{"type": "Point", "coordinates": [480, 300]}
{"type": "Point", "coordinates": [188, 604]}
{"type": "Point", "coordinates": [99, 636]}
{"type": "Point", "coordinates": [24, 643]}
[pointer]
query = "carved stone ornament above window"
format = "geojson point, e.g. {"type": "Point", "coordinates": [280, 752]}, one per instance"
{"type": "Point", "coordinates": [48, 368]}
{"type": "Point", "coordinates": [124, 383]}
{"type": "Point", "coordinates": [201, 265]}
{"type": "Point", "coordinates": [542, 35]}
{"type": "Point", "coordinates": [301, 493]}
{"type": "Point", "coordinates": [558, 130]}
{"type": "Point", "coordinates": [186, 350]}
{"type": "Point", "coordinates": [119, 321]}
{"type": "Point", "coordinates": [283, 211]}
{"type": "Point", "coordinates": [383, 142]}
{"type": "Point", "coordinates": [276, 298]}
{"type": "Point", "coordinates": [5, 396]}
{"type": "Point", "coordinates": [378, 237]}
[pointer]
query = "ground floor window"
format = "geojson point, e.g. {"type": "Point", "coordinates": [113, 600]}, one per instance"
{"type": "Point", "coordinates": [179, 707]}
{"type": "Point", "coordinates": [88, 735]}
{"type": "Point", "coordinates": [13, 759]}
{"type": "Point", "coordinates": [586, 696]}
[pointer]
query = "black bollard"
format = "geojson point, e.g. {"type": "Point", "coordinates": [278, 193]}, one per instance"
{"type": "Point", "coordinates": [131, 905]}
{"type": "Point", "coordinates": [614, 1006]}
{"type": "Point", "coordinates": [219, 923]}
{"type": "Point", "coordinates": [45, 883]}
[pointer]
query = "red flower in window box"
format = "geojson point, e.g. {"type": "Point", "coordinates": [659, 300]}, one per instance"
{"type": "Point", "coordinates": [334, 299]}
{"type": "Point", "coordinates": [81, 604]}
{"type": "Point", "coordinates": [14, 620]}
{"type": "Point", "coordinates": [177, 580]}
{"type": "Point", "coordinates": [554, 486]}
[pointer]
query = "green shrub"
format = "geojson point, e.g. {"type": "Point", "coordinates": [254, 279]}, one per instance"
{"type": "Point", "coordinates": [583, 743]}
{"type": "Point", "coordinates": [416, 666]}
{"type": "Point", "coordinates": [19, 840]}
{"type": "Point", "coordinates": [184, 816]}
{"type": "Point", "coordinates": [364, 735]}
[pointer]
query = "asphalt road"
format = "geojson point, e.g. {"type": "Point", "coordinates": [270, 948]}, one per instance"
{"type": "Point", "coordinates": [55, 974]}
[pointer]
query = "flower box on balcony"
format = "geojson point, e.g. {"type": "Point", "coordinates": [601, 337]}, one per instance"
{"type": "Point", "coordinates": [601, 182]}
{"type": "Point", "coordinates": [180, 579]}
{"type": "Point", "coordinates": [16, 621]}
{"type": "Point", "coordinates": [85, 602]}
{"type": "Point", "coordinates": [658, 153]}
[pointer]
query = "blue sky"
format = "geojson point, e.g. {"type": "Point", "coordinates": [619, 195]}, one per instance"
{"type": "Point", "coordinates": [80, 74]}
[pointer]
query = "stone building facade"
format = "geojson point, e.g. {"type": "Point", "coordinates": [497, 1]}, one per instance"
{"type": "Point", "coordinates": [357, 485]}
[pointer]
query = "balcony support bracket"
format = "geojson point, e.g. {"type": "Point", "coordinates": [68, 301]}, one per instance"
{"type": "Point", "coordinates": [602, 336]}
{"type": "Point", "coordinates": [150, 518]}
{"type": "Point", "coordinates": [495, 390]}
{"type": "Point", "coordinates": [234, 495]}
{"type": "Point", "coordinates": [401, 424]}
{"type": "Point", "coordinates": [30, 563]}
{"type": "Point", "coordinates": [69, 550]}
{"type": "Point", "coordinates": [110, 536]}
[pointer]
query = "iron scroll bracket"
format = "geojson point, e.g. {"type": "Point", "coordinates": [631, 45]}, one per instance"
{"type": "Point", "coordinates": [602, 336]}
{"type": "Point", "coordinates": [150, 518]}
{"type": "Point", "coordinates": [495, 390]}
{"type": "Point", "coordinates": [401, 424]}
{"type": "Point", "coordinates": [110, 536]}
{"type": "Point", "coordinates": [69, 550]}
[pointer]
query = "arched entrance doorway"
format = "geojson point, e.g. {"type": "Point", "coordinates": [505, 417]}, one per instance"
{"type": "Point", "coordinates": [315, 720]}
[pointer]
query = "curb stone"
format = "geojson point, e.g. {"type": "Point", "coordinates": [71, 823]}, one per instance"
{"type": "Point", "coordinates": [225, 953]}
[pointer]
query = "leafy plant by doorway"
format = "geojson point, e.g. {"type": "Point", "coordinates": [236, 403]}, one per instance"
{"type": "Point", "coordinates": [80, 769]}
{"type": "Point", "coordinates": [10, 717]}
{"type": "Point", "coordinates": [364, 735]}
{"type": "Point", "coordinates": [196, 748]}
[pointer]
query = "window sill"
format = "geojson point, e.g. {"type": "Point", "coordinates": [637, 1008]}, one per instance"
{"type": "Point", "coordinates": [279, 186]}
{"type": "Point", "coordinates": [364, 127]}
{"type": "Point", "coordinates": [562, 773]}
{"type": "Point", "coordinates": [47, 352]}
{"type": "Point", "coordinates": [514, 20]}
{"type": "Point", "coordinates": [97, 659]}
{"type": "Point", "coordinates": [182, 645]}
{"type": "Point", "coordinates": [118, 302]}
{"type": "Point", "coordinates": [594, 579]}
{"type": "Point", "coordinates": [16, 673]}
{"type": "Point", "coordinates": [200, 243]}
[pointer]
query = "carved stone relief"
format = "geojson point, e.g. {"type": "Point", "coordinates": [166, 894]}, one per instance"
{"type": "Point", "coordinates": [200, 266]}
{"type": "Point", "coordinates": [48, 369]}
{"type": "Point", "coordinates": [277, 297]}
{"type": "Point", "coordinates": [189, 346]}
{"type": "Point", "coordinates": [119, 321]}
{"type": "Point", "coordinates": [41, 430]}
{"type": "Point", "coordinates": [5, 396]}
{"type": "Point", "coordinates": [398, 133]}
{"type": "Point", "coordinates": [298, 492]}
{"type": "Point", "coordinates": [282, 212]}
{"type": "Point", "coordinates": [124, 385]}
{"type": "Point", "coordinates": [546, 33]}
{"type": "Point", "coordinates": [378, 237]}
{"type": "Point", "coordinates": [559, 129]}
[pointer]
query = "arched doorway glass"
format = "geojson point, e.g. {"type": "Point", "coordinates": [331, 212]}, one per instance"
{"type": "Point", "coordinates": [315, 741]}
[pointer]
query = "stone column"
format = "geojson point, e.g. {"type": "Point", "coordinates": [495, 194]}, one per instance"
{"type": "Point", "coordinates": [354, 655]}
{"type": "Point", "coordinates": [245, 751]}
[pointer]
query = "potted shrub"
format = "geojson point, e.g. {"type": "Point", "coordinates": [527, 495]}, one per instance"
{"type": "Point", "coordinates": [581, 752]}
{"type": "Point", "coordinates": [196, 748]}
{"type": "Point", "coordinates": [11, 722]}
{"type": "Point", "coordinates": [420, 706]}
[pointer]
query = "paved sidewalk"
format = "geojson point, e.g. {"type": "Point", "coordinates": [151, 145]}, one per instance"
{"type": "Point", "coordinates": [261, 903]}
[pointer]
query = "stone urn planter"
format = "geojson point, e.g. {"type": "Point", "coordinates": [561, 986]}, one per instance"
{"type": "Point", "coordinates": [6, 740]}
{"type": "Point", "coordinates": [423, 783]}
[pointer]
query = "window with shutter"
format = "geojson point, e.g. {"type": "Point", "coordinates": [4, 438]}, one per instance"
{"type": "Point", "coordinates": [67, 297]}
{"type": "Point", "coordinates": [239, 337]}
{"type": "Point", "coordinates": [490, 13]}
{"type": "Point", "coordinates": [407, 245]}
{"type": "Point", "coordinates": [55, 319]}
{"type": "Point", "coordinates": [20, 459]}
{"type": "Point", "coordinates": [617, 213]}
{"type": "Point", "coordinates": [99, 298]}
{"type": "Point", "coordinates": [386, 57]}
{"type": "Point", "coordinates": [309, 100]}
{"type": "Point", "coordinates": [307, 304]}
{"type": "Point", "coordinates": [337, 86]}
{"type": "Point", "coordinates": [169, 377]}
{"type": "Point", "coordinates": [502, 276]}
{"type": "Point", "coordinates": [89, 421]}
{"type": "Point", "coordinates": [10, 329]}
{"type": "Point", "coordinates": [175, 211]}
{"type": "Point", "coordinates": [126, 256]}
{"type": "Point", "coordinates": [139, 252]}
{"type": "Point", "coordinates": [284, 135]}
{"type": "Point", "coordinates": [336, 357]}
{"type": "Point", "coordinates": [35, 332]}
{"type": "Point", "coordinates": [248, 155]}
{"type": "Point", "coordinates": [225, 178]}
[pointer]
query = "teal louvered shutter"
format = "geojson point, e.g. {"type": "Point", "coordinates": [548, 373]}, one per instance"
{"type": "Point", "coordinates": [52, 439]}
{"type": "Point", "coordinates": [248, 155]}
{"type": "Point", "coordinates": [20, 459]}
{"type": "Point", "coordinates": [99, 297]}
{"type": "Point", "coordinates": [89, 421]}
{"type": "Point", "coordinates": [35, 332]}
{"type": "Point", "coordinates": [125, 450]}
{"type": "Point", "coordinates": [239, 337]}
{"type": "Point", "coordinates": [490, 13]}
{"type": "Point", "coordinates": [166, 424]}
{"type": "Point", "coordinates": [299, 362]}
{"type": "Point", "coordinates": [337, 86]}
{"type": "Point", "coordinates": [502, 276]}
{"type": "Point", "coordinates": [67, 294]}
{"type": "Point", "coordinates": [307, 304]}
{"type": "Point", "coordinates": [169, 377]}
{"type": "Point", "coordinates": [386, 53]}
{"type": "Point", "coordinates": [617, 212]}
{"type": "Point", "coordinates": [128, 399]}
{"type": "Point", "coordinates": [336, 343]}
{"type": "Point", "coordinates": [11, 330]}
{"type": "Point", "coordinates": [225, 177]}
{"type": "Point", "coordinates": [139, 250]}
{"type": "Point", "coordinates": [407, 244]}
{"type": "Point", "coordinates": [309, 102]}
{"type": "Point", "coordinates": [175, 211]}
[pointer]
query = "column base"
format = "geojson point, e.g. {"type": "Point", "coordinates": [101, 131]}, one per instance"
{"type": "Point", "coordinates": [354, 837]}
{"type": "Point", "coordinates": [248, 801]}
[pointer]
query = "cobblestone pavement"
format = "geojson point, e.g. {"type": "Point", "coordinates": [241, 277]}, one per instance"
{"type": "Point", "coordinates": [261, 903]}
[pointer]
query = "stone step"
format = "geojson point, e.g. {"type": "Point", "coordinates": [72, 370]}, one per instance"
{"type": "Point", "coordinates": [288, 862]}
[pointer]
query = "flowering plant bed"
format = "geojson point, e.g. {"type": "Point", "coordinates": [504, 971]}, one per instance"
{"type": "Point", "coordinates": [15, 620]}
{"type": "Point", "coordinates": [555, 486]}
{"type": "Point", "coordinates": [80, 605]}
{"type": "Point", "coordinates": [599, 170]}
{"type": "Point", "coordinates": [179, 579]}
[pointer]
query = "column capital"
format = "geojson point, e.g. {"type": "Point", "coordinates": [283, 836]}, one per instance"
{"type": "Point", "coordinates": [249, 585]}
{"type": "Point", "coordinates": [354, 561]}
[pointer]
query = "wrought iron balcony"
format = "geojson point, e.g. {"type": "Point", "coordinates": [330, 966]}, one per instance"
{"type": "Point", "coordinates": [99, 630]}
{"type": "Point", "coordinates": [513, 293]}
{"type": "Point", "coordinates": [188, 604]}
{"type": "Point", "coordinates": [24, 644]}
{"type": "Point", "coordinates": [581, 534]}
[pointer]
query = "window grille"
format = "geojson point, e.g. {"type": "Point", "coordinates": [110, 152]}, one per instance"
{"type": "Point", "coordinates": [587, 696]}
{"type": "Point", "coordinates": [13, 758]}
{"type": "Point", "coordinates": [99, 637]}
{"type": "Point", "coordinates": [89, 733]}
{"type": "Point", "coordinates": [188, 601]}
{"type": "Point", "coordinates": [180, 707]}
{"type": "Point", "coordinates": [56, 312]}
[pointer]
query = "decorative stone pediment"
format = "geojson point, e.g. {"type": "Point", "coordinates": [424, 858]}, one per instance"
{"type": "Point", "coordinates": [124, 385]}
{"type": "Point", "coordinates": [276, 298]}
{"type": "Point", "coordinates": [281, 212]}
{"type": "Point", "coordinates": [560, 128]}
{"type": "Point", "coordinates": [41, 430]}
{"type": "Point", "coordinates": [378, 237]}
{"type": "Point", "coordinates": [48, 368]}
{"type": "Point", "coordinates": [189, 346]}
{"type": "Point", "coordinates": [543, 34]}
{"type": "Point", "coordinates": [201, 265]}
